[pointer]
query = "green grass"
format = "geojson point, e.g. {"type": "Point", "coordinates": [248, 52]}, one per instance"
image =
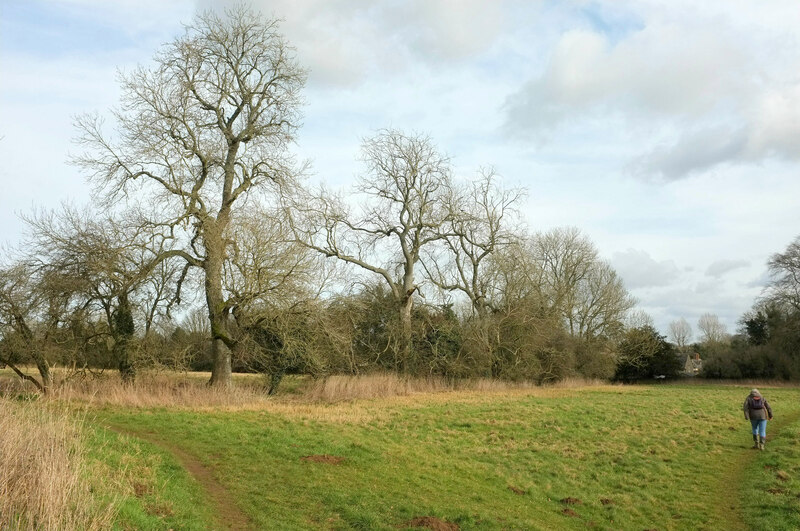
{"type": "Point", "coordinates": [773, 481]}
{"type": "Point", "coordinates": [150, 489]}
{"type": "Point", "coordinates": [665, 457]}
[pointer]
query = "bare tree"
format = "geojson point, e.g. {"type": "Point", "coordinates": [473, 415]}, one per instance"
{"type": "Point", "coordinates": [517, 275]}
{"type": "Point", "coordinates": [206, 127]}
{"type": "Point", "coordinates": [711, 329]}
{"type": "Point", "coordinates": [111, 266]}
{"type": "Point", "coordinates": [481, 225]}
{"type": "Point", "coordinates": [600, 303]}
{"type": "Point", "coordinates": [274, 283]}
{"type": "Point", "coordinates": [37, 309]}
{"type": "Point", "coordinates": [584, 290]}
{"type": "Point", "coordinates": [785, 271]}
{"type": "Point", "coordinates": [406, 186]}
{"type": "Point", "coordinates": [680, 332]}
{"type": "Point", "coordinates": [566, 257]}
{"type": "Point", "coordinates": [21, 311]}
{"type": "Point", "coordinates": [268, 267]}
{"type": "Point", "coordinates": [639, 319]}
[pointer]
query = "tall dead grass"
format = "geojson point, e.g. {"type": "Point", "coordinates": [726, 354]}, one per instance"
{"type": "Point", "coordinates": [383, 385]}
{"type": "Point", "coordinates": [42, 472]}
{"type": "Point", "coordinates": [189, 390]}
{"type": "Point", "coordinates": [176, 390]}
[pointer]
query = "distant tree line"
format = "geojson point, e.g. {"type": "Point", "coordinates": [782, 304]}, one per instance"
{"type": "Point", "coordinates": [767, 343]}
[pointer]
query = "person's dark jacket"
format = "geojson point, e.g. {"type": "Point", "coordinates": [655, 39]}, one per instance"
{"type": "Point", "coordinates": [751, 409]}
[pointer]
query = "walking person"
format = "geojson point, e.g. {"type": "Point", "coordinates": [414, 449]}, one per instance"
{"type": "Point", "coordinates": [757, 411]}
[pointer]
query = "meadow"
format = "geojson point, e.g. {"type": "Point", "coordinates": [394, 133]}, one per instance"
{"type": "Point", "coordinates": [673, 456]}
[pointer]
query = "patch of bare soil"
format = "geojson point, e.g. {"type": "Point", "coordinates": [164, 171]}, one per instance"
{"type": "Point", "coordinates": [324, 458]}
{"type": "Point", "coordinates": [606, 501]}
{"type": "Point", "coordinates": [140, 490]}
{"type": "Point", "coordinates": [571, 501]}
{"type": "Point", "coordinates": [517, 490]}
{"type": "Point", "coordinates": [569, 512]}
{"type": "Point", "coordinates": [162, 510]}
{"type": "Point", "coordinates": [228, 515]}
{"type": "Point", "coordinates": [433, 523]}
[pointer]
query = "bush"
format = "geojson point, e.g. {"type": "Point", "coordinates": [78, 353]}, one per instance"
{"type": "Point", "coordinates": [643, 354]}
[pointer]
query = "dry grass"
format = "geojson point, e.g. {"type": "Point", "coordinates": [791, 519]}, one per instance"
{"type": "Point", "coordinates": [338, 388]}
{"type": "Point", "coordinates": [384, 385]}
{"type": "Point", "coordinates": [189, 390]}
{"type": "Point", "coordinates": [174, 390]}
{"type": "Point", "coordinates": [42, 484]}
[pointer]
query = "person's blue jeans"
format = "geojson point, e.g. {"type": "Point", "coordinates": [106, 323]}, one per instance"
{"type": "Point", "coordinates": [759, 427]}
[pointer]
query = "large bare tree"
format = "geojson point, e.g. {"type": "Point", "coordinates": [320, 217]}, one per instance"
{"type": "Point", "coordinates": [482, 225]}
{"type": "Point", "coordinates": [584, 290]}
{"type": "Point", "coordinates": [405, 190]}
{"type": "Point", "coordinates": [199, 132]}
{"type": "Point", "coordinates": [600, 304]}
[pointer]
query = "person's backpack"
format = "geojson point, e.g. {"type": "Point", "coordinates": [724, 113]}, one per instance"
{"type": "Point", "coordinates": [756, 404]}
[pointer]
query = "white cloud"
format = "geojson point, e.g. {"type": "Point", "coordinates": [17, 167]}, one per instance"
{"type": "Point", "coordinates": [343, 42]}
{"type": "Point", "coordinates": [695, 151]}
{"type": "Point", "coordinates": [638, 269]}
{"type": "Point", "coordinates": [775, 128]}
{"type": "Point", "coordinates": [449, 29]}
{"type": "Point", "coordinates": [661, 70]}
{"type": "Point", "coordinates": [694, 87]}
{"type": "Point", "coordinates": [761, 282]}
{"type": "Point", "coordinates": [721, 267]}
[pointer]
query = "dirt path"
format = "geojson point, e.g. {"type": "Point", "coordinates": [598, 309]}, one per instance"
{"type": "Point", "coordinates": [729, 509]}
{"type": "Point", "coordinates": [228, 515]}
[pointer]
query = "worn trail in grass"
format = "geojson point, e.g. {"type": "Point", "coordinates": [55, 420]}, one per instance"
{"type": "Point", "coordinates": [227, 514]}
{"type": "Point", "coordinates": [663, 457]}
{"type": "Point", "coordinates": [733, 485]}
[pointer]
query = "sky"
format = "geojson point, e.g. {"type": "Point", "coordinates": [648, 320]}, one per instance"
{"type": "Point", "coordinates": [667, 132]}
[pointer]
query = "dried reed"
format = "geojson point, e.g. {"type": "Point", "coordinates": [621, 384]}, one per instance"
{"type": "Point", "coordinates": [189, 390]}
{"type": "Point", "coordinates": [42, 483]}
{"type": "Point", "coordinates": [383, 385]}
{"type": "Point", "coordinates": [175, 390]}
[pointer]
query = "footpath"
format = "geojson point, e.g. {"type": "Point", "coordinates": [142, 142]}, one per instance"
{"type": "Point", "coordinates": [228, 515]}
{"type": "Point", "coordinates": [731, 514]}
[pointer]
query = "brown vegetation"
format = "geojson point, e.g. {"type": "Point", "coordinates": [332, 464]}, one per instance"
{"type": "Point", "coordinates": [189, 390]}
{"type": "Point", "coordinates": [42, 483]}
{"type": "Point", "coordinates": [433, 523]}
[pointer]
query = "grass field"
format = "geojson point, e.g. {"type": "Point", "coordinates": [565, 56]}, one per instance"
{"type": "Point", "coordinates": [606, 457]}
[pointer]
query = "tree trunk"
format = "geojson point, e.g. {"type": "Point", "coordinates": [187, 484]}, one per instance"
{"type": "Point", "coordinates": [44, 372]}
{"type": "Point", "coordinates": [221, 373]}
{"type": "Point", "coordinates": [405, 348]}
{"type": "Point", "coordinates": [25, 377]}
{"type": "Point", "coordinates": [38, 357]}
